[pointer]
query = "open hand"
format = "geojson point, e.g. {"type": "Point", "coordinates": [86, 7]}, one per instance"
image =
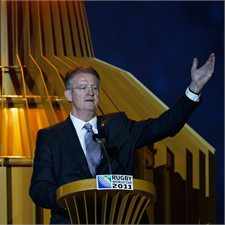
{"type": "Point", "coordinates": [200, 76]}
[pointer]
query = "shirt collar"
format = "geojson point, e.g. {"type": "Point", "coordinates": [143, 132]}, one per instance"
{"type": "Point", "coordinates": [79, 124]}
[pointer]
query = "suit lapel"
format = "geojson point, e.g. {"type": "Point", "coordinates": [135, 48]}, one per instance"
{"type": "Point", "coordinates": [74, 147]}
{"type": "Point", "coordinates": [102, 168]}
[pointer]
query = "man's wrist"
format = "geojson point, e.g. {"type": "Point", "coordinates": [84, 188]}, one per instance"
{"type": "Point", "coordinates": [193, 91]}
{"type": "Point", "coordinates": [193, 87]}
{"type": "Point", "coordinates": [192, 95]}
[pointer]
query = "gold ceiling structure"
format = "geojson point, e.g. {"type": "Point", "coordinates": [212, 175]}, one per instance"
{"type": "Point", "coordinates": [38, 43]}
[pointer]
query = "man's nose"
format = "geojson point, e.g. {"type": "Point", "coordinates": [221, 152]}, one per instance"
{"type": "Point", "coordinates": [91, 91]}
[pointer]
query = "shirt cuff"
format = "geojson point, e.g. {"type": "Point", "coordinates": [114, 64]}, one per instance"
{"type": "Point", "coordinates": [194, 97]}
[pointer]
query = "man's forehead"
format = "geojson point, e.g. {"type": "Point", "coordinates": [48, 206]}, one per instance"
{"type": "Point", "coordinates": [82, 76]}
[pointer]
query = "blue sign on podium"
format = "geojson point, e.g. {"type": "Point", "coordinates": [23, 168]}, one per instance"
{"type": "Point", "coordinates": [114, 182]}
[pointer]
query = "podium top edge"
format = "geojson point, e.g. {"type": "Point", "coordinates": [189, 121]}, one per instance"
{"type": "Point", "coordinates": [83, 185]}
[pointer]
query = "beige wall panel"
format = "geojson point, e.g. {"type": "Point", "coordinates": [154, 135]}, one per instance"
{"type": "Point", "coordinates": [80, 30]}
{"type": "Point", "coordinates": [62, 66]}
{"type": "Point", "coordinates": [186, 140]}
{"type": "Point", "coordinates": [23, 210]}
{"type": "Point", "coordinates": [67, 61]}
{"type": "Point", "coordinates": [14, 31]}
{"type": "Point", "coordinates": [178, 146]}
{"type": "Point", "coordinates": [26, 31]}
{"type": "Point", "coordinates": [106, 104]}
{"type": "Point", "coordinates": [36, 74]}
{"type": "Point", "coordinates": [4, 33]}
{"type": "Point", "coordinates": [1, 126]}
{"type": "Point", "coordinates": [74, 62]}
{"type": "Point", "coordinates": [25, 133]}
{"type": "Point", "coordinates": [8, 88]}
{"type": "Point", "coordinates": [207, 174]}
{"type": "Point", "coordinates": [3, 133]}
{"type": "Point", "coordinates": [46, 216]}
{"type": "Point", "coordinates": [52, 66]}
{"type": "Point", "coordinates": [179, 160]}
{"type": "Point", "coordinates": [14, 133]}
{"type": "Point", "coordinates": [49, 111]}
{"type": "Point", "coordinates": [63, 111]}
{"type": "Point", "coordinates": [0, 26]}
{"type": "Point", "coordinates": [57, 28]}
{"type": "Point", "coordinates": [75, 33]}
{"type": "Point", "coordinates": [56, 84]}
{"type": "Point", "coordinates": [36, 41]}
{"type": "Point", "coordinates": [46, 27]}
{"type": "Point", "coordinates": [88, 30]}
{"type": "Point", "coordinates": [192, 138]}
{"type": "Point", "coordinates": [27, 127]}
{"type": "Point", "coordinates": [66, 29]}
{"type": "Point", "coordinates": [34, 65]}
{"type": "Point", "coordinates": [196, 169]}
{"type": "Point", "coordinates": [11, 135]}
{"type": "Point", "coordinates": [37, 119]}
{"type": "Point", "coordinates": [3, 195]}
{"type": "Point", "coordinates": [179, 151]}
{"type": "Point", "coordinates": [84, 26]}
{"type": "Point", "coordinates": [160, 156]}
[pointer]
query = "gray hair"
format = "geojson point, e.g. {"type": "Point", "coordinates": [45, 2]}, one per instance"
{"type": "Point", "coordinates": [68, 80]}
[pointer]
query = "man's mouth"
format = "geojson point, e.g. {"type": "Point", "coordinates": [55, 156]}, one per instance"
{"type": "Point", "coordinates": [89, 100]}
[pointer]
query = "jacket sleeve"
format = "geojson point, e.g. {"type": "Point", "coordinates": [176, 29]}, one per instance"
{"type": "Point", "coordinates": [168, 124]}
{"type": "Point", "coordinates": [43, 183]}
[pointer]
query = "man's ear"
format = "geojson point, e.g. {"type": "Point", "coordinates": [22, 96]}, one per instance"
{"type": "Point", "coordinates": [68, 95]}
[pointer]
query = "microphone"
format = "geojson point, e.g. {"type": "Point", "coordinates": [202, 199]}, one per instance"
{"type": "Point", "coordinates": [101, 140]}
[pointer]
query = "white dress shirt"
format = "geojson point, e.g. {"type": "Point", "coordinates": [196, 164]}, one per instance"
{"type": "Point", "coordinates": [191, 95]}
{"type": "Point", "coordinates": [79, 124]}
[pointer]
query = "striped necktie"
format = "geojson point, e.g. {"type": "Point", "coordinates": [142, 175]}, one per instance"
{"type": "Point", "coordinates": [93, 149]}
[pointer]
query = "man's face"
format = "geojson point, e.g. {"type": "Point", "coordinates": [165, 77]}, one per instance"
{"type": "Point", "coordinates": [84, 93]}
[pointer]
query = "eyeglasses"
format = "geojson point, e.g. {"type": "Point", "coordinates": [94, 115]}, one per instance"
{"type": "Point", "coordinates": [86, 88]}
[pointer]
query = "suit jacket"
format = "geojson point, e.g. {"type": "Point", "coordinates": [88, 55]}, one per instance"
{"type": "Point", "coordinates": [59, 158]}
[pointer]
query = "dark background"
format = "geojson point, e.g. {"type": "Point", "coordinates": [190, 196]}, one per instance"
{"type": "Point", "coordinates": [156, 42]}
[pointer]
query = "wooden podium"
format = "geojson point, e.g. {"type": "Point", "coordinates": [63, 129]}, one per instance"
{"type": "Point", "coordinates": [87, 205]}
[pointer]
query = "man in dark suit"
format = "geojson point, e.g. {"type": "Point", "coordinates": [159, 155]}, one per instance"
{"type": "Point", "coordinates": [63, 151]}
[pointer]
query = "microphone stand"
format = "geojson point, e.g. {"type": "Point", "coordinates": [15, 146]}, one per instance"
{"type": "Point", "coordinates": [102, 142]}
